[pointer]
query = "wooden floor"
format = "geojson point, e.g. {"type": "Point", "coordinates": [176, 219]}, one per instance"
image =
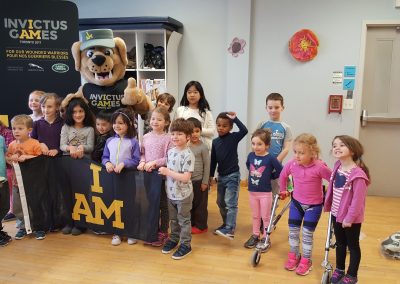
{"type": "Point", "coordinates": [91, 259]}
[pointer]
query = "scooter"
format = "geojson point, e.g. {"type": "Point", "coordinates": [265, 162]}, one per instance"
{"type": "Point", "coordinates": [326, 277]}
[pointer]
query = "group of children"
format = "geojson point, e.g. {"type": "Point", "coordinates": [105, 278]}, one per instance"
{"type": "Point", "coordinates": [183, 150]}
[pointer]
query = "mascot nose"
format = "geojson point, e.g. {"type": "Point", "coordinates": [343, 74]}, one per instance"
{"type": "Point", "coordinates": [99, 60]}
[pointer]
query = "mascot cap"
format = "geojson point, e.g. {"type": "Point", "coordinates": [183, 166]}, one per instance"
{"type": "Point", "coordinates": [98, 37]}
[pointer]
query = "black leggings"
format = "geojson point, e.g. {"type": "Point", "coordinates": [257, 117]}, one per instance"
{"type": "Point", "coordinates": [347, 237]}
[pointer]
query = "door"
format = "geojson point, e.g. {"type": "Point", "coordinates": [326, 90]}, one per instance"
{"type": "Point", "coordinates": [380, 122]}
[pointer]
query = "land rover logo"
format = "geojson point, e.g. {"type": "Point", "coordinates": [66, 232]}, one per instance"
{"type": "Point", "coordinates": [60, 67]}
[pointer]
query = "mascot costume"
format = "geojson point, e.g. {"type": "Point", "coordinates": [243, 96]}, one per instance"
{"type": "Point", "coordinates": [102, 59]}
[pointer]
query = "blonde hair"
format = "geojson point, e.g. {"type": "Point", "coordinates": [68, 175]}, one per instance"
{"type": "Point", "coordinates": [22, 119]}
{"type": "Point", "coordinates": [38, 92]}
{"type": "Point", "coordinates": [309, 141]}
{"type": "Point", "coordinates": [47, 96]}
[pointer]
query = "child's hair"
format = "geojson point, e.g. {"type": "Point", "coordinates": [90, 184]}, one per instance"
{"type": "Point", "coordinates": [310, 142]}
{"type": "Point", "coordinates": [224, 115]}
{"type": "Point", "coordinates": [103, 115]}
{"type": "Point", "coordinates": [22, 119]}
{"type": "Point", "coordinates": [264, 134]}
{"type": "Point", "coordinates": [38, 92]}
{"type": "Point", "coordinates": [356, 149]}
{"type": "Point", "coordinates": [88, 121]}
{"type": "Point", "coordinates": [203, 103]}
{"type": "Point", "coordinates": [182, 125]}
{"type": "Point", "coordinates": [47, 96]}
{"type": "Point", "coordinates": [274, 97]}
{"type": "Point", "coordinates": [128, 118]}
{"type": "Point", "coordinates": [168, 98]}
{"type": "Point", "coordinates": [165, 114]}
{"type": "Point", "coordinates": [195, 121]}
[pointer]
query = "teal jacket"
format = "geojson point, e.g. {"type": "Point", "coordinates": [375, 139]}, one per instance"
{"type": "Point", "coordinates": [3, 150]}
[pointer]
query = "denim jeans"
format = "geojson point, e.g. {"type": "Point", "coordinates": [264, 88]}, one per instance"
{"type": "Point", "coordinates": [227, 198]}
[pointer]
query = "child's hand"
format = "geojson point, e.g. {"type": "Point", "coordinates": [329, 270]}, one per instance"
{"type": "Point", "coordinates": [203, 187]}
{"type": "Point", "coordinates": [52, 152]}
{"type": "Point", "coordinates": [163, 171]}
{"type": "Point", "coordinates": [212, 181]}
{"type": "Point", "coordinates": [73, 152]}
{"type": "Point", "coordinates": [283, 195]}
{"type": "Point", "coordinates": [22, 158]}
{"type": "Point", "coordinates": [109, 167]}
{"type": "Point", "coordinates": [140, 167]}
{"type": "Point", "coordinates": [79, 151]}
{"type": "Point", "coordinates": [119, 168]}
{"type": "Point", "coordinates": [231, 115]}
{"type": "Point", "coordinates": [150, 166]}
{"type": "Point", "coordinates": [346, 225]}
{"type": "Point", "coordinates": [44, 148]}
{"type": "Point", "coordinates": [14, 158]}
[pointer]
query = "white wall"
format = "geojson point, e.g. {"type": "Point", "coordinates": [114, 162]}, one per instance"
{"type": "Point", "coordinates": [208, 26]}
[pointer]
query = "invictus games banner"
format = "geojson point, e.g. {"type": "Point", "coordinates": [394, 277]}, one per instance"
{"type": "Point", "coordinates": [35, 51]}
{"type": "Point", "coordinates": [62, 190]}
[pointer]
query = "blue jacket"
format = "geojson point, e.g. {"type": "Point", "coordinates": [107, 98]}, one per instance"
{"type": "Point", "coordinates": [125, 150]}
{"type": "Point", "coordinates": [3, 150]}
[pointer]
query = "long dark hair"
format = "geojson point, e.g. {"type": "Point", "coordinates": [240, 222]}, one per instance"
{"type": "Point", "coordinates": [69, 120]}
{"type": "Point", "coordinates": [128, 118]}
{"type": "Point", "coordinates": [203, 103]}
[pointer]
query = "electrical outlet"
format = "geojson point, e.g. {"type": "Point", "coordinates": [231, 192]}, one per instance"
{"type": "Point", "coordinates": [348, 104]}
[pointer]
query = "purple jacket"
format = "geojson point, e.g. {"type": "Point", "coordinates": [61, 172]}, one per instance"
{"type": "Point", "coordinates": [352, 205]}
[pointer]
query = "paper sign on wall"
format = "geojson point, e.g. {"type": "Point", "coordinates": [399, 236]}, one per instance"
{"type": "Point", "coordinates": [349, 71]}
{"type": "Point", "coordinates": [348, 84]}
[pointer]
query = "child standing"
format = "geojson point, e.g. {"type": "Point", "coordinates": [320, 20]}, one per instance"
{"type": "Point", "coordinates": [180, 166]}
{"type": "Point", "coordinates": [166, 100]}
{"type": "Point", "coordinates": [121, 151]}
{"type": "Point", "coordinates": [77, 134]}
{"type": "Point", "coordinates": [154, 151]}
{"type": "Point", "coordinates": [200, 179]}
{"type": "Point", "coordinates": [345, 200]}
{"type": "Point", "coordinates": [263, 167]}
{"type": "Point", "coordinates": [307, 200]}
{"type": "Point", "coordinates": [194, 104]}
{"type": "Point", "coordinates": [104, 131]}
{"type": "Point", "coordinates": [48, 128]}
{"type": "Point", "coordinates": [4, 193]}
{"type": "Point", "coordinates": [224, 154]}
{"type": "Point", "coordinates": [20, 150]}
{"type": "Point", "coordinates": [34, 104]}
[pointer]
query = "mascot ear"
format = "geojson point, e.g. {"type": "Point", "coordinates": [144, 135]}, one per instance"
{"type": "Point", "coordinates": [120, 45]}
{"type": "Point", "coordinates": [76, 53]}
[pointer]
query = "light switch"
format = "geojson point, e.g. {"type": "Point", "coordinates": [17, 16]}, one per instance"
{"type": "Point", "coordinates": [348, 104]}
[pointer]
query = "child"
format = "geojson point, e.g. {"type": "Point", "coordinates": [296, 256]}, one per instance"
{"type": "Point", "coordinates": [200, 178]}
{"type": "Point", "coordinates": [345, 199]}
{"type": "Point", "coordinates": [4, 193]}
{"type": "Point", "coordinates": [8, 138]}
{"type": "Point", "coordinates": [121, 151]}
{"type": "Point", "coordinates": [307, 200]}
{"type": "Point", "coordinates": [34, 104]}
{"type": "Point", "coordinates": [166, 100]}
{"type": "Point", "coordinates": [104, 131]}
{"type": "Point", "coordinates": [224, 154]}
{"type": "Point", "coordinates": [194, 104]}
{"type": "Point", "coordinates": [48, 128]}
{"type": "Point", "coordinates": [77, 134]}
{"type": "Point", "coordinates": [263, 167]}
{"type": "Point", "coordinates": [20, 150]}
{"type": "Point", "coordinates": [180, 166]}
{"type": "Point", "coordinates": [154, 155]}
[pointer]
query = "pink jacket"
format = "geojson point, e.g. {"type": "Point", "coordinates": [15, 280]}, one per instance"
{"type": "Point", "coordinates": [352, 205]}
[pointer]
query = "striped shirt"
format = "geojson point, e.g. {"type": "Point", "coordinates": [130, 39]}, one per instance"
{"type": "Point", "coordinates": [341, 178]}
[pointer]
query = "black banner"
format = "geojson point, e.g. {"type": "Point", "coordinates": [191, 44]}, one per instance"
{"type": "Point", "coordinates": [63, 190]}
{"type": "Point", "coordinates": [35, 51]}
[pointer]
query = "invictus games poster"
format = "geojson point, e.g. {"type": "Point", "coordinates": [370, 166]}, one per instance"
{"type": "Point", "coordinates": [36, 40]}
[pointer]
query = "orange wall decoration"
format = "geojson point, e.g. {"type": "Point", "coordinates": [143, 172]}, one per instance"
{"type": "Point", "coordinates": [303, 45]}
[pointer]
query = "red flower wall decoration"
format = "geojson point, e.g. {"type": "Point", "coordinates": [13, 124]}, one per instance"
{"type": "Point", "coordinates": [237, 47]}
{"type": "Point", "coordinates": [303, 45]}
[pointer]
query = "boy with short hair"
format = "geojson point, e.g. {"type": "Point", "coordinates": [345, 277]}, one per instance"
{"type": "Point", "coordinates": [104, 131]}
{"type": "Point", "coordinates": [180, 166]}
{"type": "Point", "coordinates": [200, 179]}
{"type": "Point", "coordinates": [224, 154]}
{"type": "Point", "coordinates": [20, 150]}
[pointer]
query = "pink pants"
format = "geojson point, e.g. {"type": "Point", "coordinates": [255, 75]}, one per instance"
{"type": "Point", "coordinates": [260, 204]}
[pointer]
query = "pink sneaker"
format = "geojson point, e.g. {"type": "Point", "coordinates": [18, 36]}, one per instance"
{"type": "Point", "coordinates": [305, 266]}
{"type": "Point", "coordinates": [292, 261]}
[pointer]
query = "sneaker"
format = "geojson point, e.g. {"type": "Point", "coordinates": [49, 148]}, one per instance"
{"type": "Point", "coordinates": [116, 240]}
{"type": "Point", "coordinates": [348, 279]}
{"type": "Point", "coordinates": [20, 234]}
{"type": "Point", "coordinates": [66, 230]}
{"type": "Point", "coordinates": [224, 232]}
{"type": "Point", "coordinates": [196, 230]}
{"type": "Point", "coordinates": [40, 235]}
{"type": "Point", "coordinates": [169, 246]}
{"type": "Point", "coordinates": [76, 231]}
{"type": "Point", "coordinates": [219, 228]}
{"type": "Point", "coordinates": [9, 217]}
{"type": "Point", "coordinates": [337, 276]}
{"type": "Point", "coordinates": [264, 246]}
{"type": "Point", "coordinates": [251, 242]}
{"type": "Point", "coordinates": [292, 261]}
{"type": "Point", "coordinates": [4, 239]}
{"type": "Point", "coordinates": [182, 252]}
{"type": "Point", "coordinates": [305, 266]}
{"type": "Point", "coordinates": [131, 241]}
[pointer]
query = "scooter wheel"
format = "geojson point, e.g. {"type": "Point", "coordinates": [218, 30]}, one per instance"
{"type": "Point", "coordinates": [326, 278]}
{"type": "Point", "coordinates": [255, 258]}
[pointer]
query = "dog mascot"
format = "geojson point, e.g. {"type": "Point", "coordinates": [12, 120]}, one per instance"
{"type": "Point", "coordinates": [101, 59]}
